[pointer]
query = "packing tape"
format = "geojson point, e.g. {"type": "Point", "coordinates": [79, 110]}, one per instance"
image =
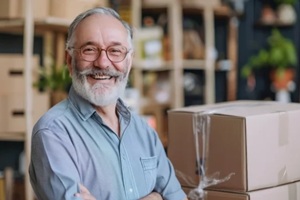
{"type": "Point", "coordinates": [283, 129]}
{"type": "Point", "coordinates": [292, 191]}
{"type": "Point", "coordinates": [201, 128]}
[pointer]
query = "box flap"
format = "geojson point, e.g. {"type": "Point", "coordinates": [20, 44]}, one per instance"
{"type": "Point", "coordinates": [241, 108]}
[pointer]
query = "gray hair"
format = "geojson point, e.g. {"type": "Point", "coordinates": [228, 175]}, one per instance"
{"type": "Point", "coordinates": [98, 10]}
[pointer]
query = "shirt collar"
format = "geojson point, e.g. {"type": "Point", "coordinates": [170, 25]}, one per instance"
{"type": "Point", "coordinates": [86, 110]}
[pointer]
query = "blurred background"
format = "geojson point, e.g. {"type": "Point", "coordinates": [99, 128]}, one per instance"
{"type": "Point", "coordinates": [187, 52]}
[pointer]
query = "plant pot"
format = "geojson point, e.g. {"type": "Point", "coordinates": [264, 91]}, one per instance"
{"type": "Point", "coordinates": [268, 15]}
{"type": "Point", "coordinates": [281, 78]}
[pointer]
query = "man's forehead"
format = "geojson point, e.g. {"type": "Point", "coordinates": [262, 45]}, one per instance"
{"type": "Point", "coordinates": [100, 31]}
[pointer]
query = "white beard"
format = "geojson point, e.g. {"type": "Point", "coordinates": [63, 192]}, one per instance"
{"type": "Point", "coordinates": [99, 94]}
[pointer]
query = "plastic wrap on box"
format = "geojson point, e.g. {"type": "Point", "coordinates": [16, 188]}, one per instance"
{"type": "Point", "coordinates": [201, 124]}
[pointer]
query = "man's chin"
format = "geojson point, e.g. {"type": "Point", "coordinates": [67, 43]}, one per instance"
{"type": "Point", "coordinates": [100, 94]}
{"type": "Point", "coordinates": [103, 99]}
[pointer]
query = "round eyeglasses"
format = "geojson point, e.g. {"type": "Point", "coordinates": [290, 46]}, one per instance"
{"type": "Point", "coordinates": [90, 53]}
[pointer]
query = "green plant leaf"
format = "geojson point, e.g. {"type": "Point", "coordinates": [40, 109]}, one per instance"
{"type": "Point", "coordinates": [54, 79]}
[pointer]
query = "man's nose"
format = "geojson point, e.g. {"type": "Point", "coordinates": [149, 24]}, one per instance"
{"type": "Point", "coordinates": [102, 60]}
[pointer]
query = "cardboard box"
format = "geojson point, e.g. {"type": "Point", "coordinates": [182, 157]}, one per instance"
{"type": "Point", "coordinates": [69, 9]}
{"type": "Point", "coordinates": [12, 111]}
{"type": "Point", "coordinates": [256, 140]}
{"type": "Point", "coordinates": [283, 192]}
{"type": "Point", "coordinates": [10, 9]}
{"type": "Point", "coordinates": [12, 70]}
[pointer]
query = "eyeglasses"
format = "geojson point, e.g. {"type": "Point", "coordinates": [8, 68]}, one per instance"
{"type": "Point", "coordinates": [90, 53]}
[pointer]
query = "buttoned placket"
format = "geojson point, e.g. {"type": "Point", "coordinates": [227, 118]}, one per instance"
{"type": "Point", "coordinates": [129, 184]}
{"type": "Point", "coordinates": [127, 173]}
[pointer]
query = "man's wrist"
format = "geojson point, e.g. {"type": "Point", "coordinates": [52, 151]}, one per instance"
{"type": "Point", "coordinates": [153, 196]}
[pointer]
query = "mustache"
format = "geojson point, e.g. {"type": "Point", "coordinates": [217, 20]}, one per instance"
{"type": "Point", "coordinates": [94, 71]}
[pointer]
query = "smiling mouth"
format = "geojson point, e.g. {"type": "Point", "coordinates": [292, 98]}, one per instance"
{"type": "Point", "coordinates": [101, 77]}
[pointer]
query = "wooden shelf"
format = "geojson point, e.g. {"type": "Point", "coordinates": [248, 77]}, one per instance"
{"type": "Point", "coordinates": [4, 136]}
{"type": "Point", "coordinates": [165, 66]}
{"type": "Point", "coordinates": [156, 3]}
{"type": "Point", "coordinates": [194, 64]}
{"type": "Point", "coordinates": [200, 65]}
{"type": "Point", "coordinates": [276, 23]}
{"type": "Point", "coordinates": [40, 26]}
{"type": "Point", "coordinates": [221, 11]}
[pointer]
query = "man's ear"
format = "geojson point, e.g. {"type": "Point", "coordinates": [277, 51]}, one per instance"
{"type": "Point", "coordinates": [130, 62]}
{"type": "Point", "coordinates": [69, 61]}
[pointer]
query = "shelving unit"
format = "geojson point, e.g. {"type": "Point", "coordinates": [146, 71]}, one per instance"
{"type": "Point", "coordinates": [175, 68]}
{"type": "Point", "coordinates": [53, 31]}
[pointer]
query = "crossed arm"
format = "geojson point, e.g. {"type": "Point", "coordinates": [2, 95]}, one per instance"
{"type": "Point", "coordinates": [86, 195]}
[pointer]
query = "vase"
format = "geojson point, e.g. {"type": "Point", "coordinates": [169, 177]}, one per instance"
{"type": "Point", "coordinates": [286, 14]}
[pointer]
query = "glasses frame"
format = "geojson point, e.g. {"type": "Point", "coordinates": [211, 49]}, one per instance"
{"type": "Point", "coordinates": [100, 51]}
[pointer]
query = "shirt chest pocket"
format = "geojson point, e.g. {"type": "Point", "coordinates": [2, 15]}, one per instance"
{"type": "Point", "coordinates": [149, 165]}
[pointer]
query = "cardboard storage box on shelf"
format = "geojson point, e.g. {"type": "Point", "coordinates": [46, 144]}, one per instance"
{"type": "Point", "coordinates": [69, 9]}
{"type": "Point", "coordinates": [282, 192]}
{"type": "Point", "coordinates": [258, 141]}
{"type": "Point", "coordinates": [12, 111]}
{"type": "Point", "coordinates": [12, 70]}
{"type": "Point", "coordinates": [11, 9]}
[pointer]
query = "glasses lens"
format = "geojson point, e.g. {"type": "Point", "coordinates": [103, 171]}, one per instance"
{"type": "Point", "coordinates": [116, 53]}
{"type": "Point", "coordinates": [89, 53]}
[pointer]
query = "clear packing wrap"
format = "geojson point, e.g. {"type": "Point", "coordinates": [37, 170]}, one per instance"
{"type": "Point", "coordinates": [201, 124]}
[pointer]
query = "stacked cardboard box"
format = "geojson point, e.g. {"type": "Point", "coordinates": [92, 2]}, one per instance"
{"type": "Point", "coordinates": [256, 141]}
{"type": "Point", "coordinates": [12, 93]}
{"type": "Point", "coordinates": [283, 192]}
{"type": "Point", "coordinates": [68, 9]}
{"type": "Point", "coordinates": [11, 9]}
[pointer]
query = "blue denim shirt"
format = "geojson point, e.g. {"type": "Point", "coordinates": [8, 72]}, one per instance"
{"type": "Point", "coordinates": [72, 145]}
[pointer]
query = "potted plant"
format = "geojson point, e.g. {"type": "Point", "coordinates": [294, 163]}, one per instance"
{"type": "Point", "coordinates": [55, 80]}
{"type": "Point", "coordinates": [287, 2]}
{"type": "Point", "coordinates": [280, 57]}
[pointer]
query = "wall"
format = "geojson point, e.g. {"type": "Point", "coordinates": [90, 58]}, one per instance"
{"type": "Point", "coordinates": [251, 39]}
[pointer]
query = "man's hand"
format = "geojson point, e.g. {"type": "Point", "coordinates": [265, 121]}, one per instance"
{"type": "Point", "coordinates": [84, 193]}
{"type": "Point", "coordinates": [152, 196]}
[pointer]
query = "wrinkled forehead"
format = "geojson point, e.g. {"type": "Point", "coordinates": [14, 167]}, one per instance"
{"type": "Point", "coordinates": [101, 29]}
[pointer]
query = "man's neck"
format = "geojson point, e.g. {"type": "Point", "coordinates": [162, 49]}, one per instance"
{"type": "Point", "coordinates": [110, 117]}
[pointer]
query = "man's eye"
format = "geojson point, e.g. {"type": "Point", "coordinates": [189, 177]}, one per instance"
{"type": "Point", "coordinates": [115, 50]}
{"type": "Point", "coordinates": [89, 50]}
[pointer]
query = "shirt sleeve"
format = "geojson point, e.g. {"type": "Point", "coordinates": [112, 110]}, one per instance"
{"type": "Point", "coordinates": [53, 171]}
{"type": "Point", "coordinates": [167, 183]}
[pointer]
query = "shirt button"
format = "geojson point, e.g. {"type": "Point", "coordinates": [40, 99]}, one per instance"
{"type": "Point", "coordinates": [130, 190]}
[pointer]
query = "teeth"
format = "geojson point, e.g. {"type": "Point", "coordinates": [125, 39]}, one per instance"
{"type": "Point", "coordinates": [101, 77]}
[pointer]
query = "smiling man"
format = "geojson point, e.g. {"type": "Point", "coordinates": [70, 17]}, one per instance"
{"type": "Point", "coordinates": [91, 146]}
